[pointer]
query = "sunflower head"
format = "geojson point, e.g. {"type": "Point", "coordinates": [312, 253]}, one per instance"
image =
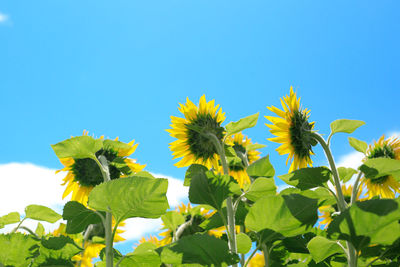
{"type": "Point", "coordinates": [237, 169]}
{"type": "Point", "coordinates": [293, 131]}
{"type": "Point", "coordinates": [385, 186]}
{"type": "Point", "coordinates": [193, 143]}
{"type": "Point", "coordinates": [83, 173]}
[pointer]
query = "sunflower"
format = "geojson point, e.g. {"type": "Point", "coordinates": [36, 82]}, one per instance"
{"type": "Point", "coordinates": [257, 261]}
{"type": "Point", "coordinates": [84, 174]}
{"type": "Point", "coordinates": [151, 239]}
{"type": "Point", "coordinates": [385, 186]}
{"type": "Point", "coordinates": [237, 170]}
{"type": "Point", "coordinates": [293, 131]}
{"type": "Point", "coordinates": [193, 144]}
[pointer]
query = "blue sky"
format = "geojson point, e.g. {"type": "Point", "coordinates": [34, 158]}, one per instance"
{"type": "Point", "coordinates": [120, 68]}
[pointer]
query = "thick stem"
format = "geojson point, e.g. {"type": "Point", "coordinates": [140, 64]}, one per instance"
{"type": "Point", "coordinates": [266, 255]}
{"type": "Point", "coordinates": [354, 193]}
{"type": "Point", "coordinates": [229, 203]}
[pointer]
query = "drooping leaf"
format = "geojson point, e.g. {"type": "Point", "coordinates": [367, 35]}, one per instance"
{"type": "Point", "coordinates": [78, 217]}
{"type": "Point", "coordinates": [12, 217]}
{"type": "Point", "coordinates": [261, 168]}
{"type": "Point", "coordinates": [198, 248]}
{"type": "Point", "coordinates": [307, 178]}
{"type": "Point", "coordinates": [261, 187]}
{"type": "Point", "coordinates": [78, 147]}
{"type": "Point", "coordinates": [358, 145]}
{"type": "Point", "coordinates": [16, 249]}
{"type": "Point", "coordinates": [242, 124]}
{"type": "Point", "coordinates": [321, 248]}
{"type": "Point", "coordinates": [374, 221]}
{"type": "Point", "coordinates": [172, 220]}
{"type": "Point", "coordinates": [345, 174]}
{"type": "Point", "coordinates": [191, 171]}
{"type": "Point", "coordinates": [41, 213]}
{"type": "Point", "coordinates": [212, 189]}
{"type": "Point", "coordinates": [345, 126]}
{"type": "Point", "coordinates": [378, 167]}
{"type": "Point", "coordinates": [288, 215]}
{"type": "Point", "coordinates": [243, 243]}
{"type": "Point", "coordinates": [131, 197]}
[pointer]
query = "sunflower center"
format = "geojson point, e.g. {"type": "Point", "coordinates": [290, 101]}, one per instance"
{"type": "Point", "coordinates": [200, 145]}
{"type": "Point", "coordinates": [384, 151]}
{"type": "Point", "coordinates": [87, 172]}
{"type": "Point", "coordinates": [300, 135]}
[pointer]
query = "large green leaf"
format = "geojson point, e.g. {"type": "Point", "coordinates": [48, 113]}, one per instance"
{"type": "Point", "coordinates": [307, 178]}
{"type": "Point", "coordinates": [16, 249]}
{"type": "Point", "coordinates": [78, 217]}
{"type": "Point", "coordinates": [288, 215]}
{"type": "Point", "coordinates": [211, 189]}
{"type": "Point", "coordinates": [172, 220]}
{"type": "Point", "coordinates": [191, 171]}
{"type": "Point", "coordinates": [12, 217]}
{"type": "Point", "coordinates": [261, 187]}
{"type": "Point", "coordinates": [216, 221]}
{"type": "Point", "coordinates": [321, 248]}
{"type": "Point", "coordinates": [261, 168]}
{"type": "Point", "coordinates": [358, 145]}
{"type": "Point", "coordinates": [78, 147]}
{"type": "Point", "coordinates": [242, 124]}
{"type": "Point", "coordinates": [345, 126]}
{"type": "Point", "coordinates": [378, 167]}
{"type": "Point", "coordinates": [41, 213]}
{"type": "Point", "coordinates": [198, 248]}
{"type": "Point", "coordinates": [374, 221]}
{"type": "Point", "coordinates": [345, 174]}
{"type": "Point", "coordinates": [131, 197]}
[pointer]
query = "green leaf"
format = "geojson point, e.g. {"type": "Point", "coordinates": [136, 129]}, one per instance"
{"type": "Point", "coordinates": [192, 171]}
{"type": "Point", "coordinates": [78, 147]}
{"type": "Point", "coordinates": [242, 124]}
{"type": "Point", "coordinates": [251, 147]}
{"type": "Point", "coordinates": [39, 230]}
{"type": "Point", "coordinates": [288, 215]}
{"type": "Point", "coordinates": [345, 126]}
{"type": "Point", "coordinates": [307, 178]}
{"type": "Point", "coordinates": [215, 220]}
{"type": "Point", "coordinates": [358, 145]}
{"type": "Point", "coordinates": [373, 221]}
{"type": "Point", "coordinates": [16, 249]}
{"type": "Point", "coordinates": [143, 256]}
{"type": "Point", "coordinates": [41, 213]}
{"type": "Point", "coordinates": [211, 189]}
{"type": "Point", "coordinates": [261, 168]}
{"type": "Point", "coordinates": [261, 187]}
{"type": "Point", "coordinates": [115, 145]}
{"type": "Point", "coordinates": [12, 217]}
{"type": "Point", "coordinates": [198, 248]}
{"type": "Point", "coordinates": [172, 220]}
{"type": "Point", "coordinates": [243, 243]}
{"type": "Point", "coordinates": [131, 197]}
{"type": "Point", "coordinates": [144, 174]}
{"type": "Point", "coordinates": [378, 167]}
{"type": "Point", "coordinates": [345, 174]}
{"type": "Point", "coordinates": [321, 248]}
{"type": "Point", "coordinates": [78, 217]}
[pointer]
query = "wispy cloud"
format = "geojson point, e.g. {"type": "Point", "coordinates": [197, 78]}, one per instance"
{"type": "Point", "coordinates": [22, 184]}
{"type": "Point", "coordinates": [4, 18]}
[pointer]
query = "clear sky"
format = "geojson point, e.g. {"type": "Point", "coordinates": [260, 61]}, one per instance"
{"type": "Point", "coordinates": [120, 68]}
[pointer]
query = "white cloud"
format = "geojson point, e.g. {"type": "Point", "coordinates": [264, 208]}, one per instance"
{"type": "Point", "coordinates": [352, 160]}
{"type": "Point", "coordinates": [22, 184]}
{"type": "Point", "coordinates": [3, 17]}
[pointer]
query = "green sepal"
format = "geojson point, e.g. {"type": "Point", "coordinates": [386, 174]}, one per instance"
{"type": "Point", "coordinates": [17, 249]}
{"type": "Point", "coordinates": [261, 168]}
{"type": "Point", "coordinates": [345, 126]}
{"type": "Point", "coordinates": [41, 213]}
{"type": "Point", "coordinates": [131, 197]}
{"type": "Point", "coordinates": [242, 124]}
{"type": "Point", "coordinates": [358, 145]}
{"type": "Point", "coordinates": [307, 178]}
{"type": "Point", "coordinates": [78, 147]}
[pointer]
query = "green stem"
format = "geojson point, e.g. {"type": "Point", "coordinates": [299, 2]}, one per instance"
{"type": "Point", "coordinates": [352, 255]}
{"type": "Point", "coordinates": [266, 255]}
{"type": "Point", "coordinates": [103, 165]}
{"type": "Point", "coordinates": [229, 203]}
{"type": "Point", "coordinates": [252, 255]}
{"type": "Point", "coordinates": [242, 256]}
{"type": "Point", "coordinates": [16, 228]}
{"type": "Point", "coordinates": [30, 231]}
{"type": "Point", "coordinates": [354, 193]}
